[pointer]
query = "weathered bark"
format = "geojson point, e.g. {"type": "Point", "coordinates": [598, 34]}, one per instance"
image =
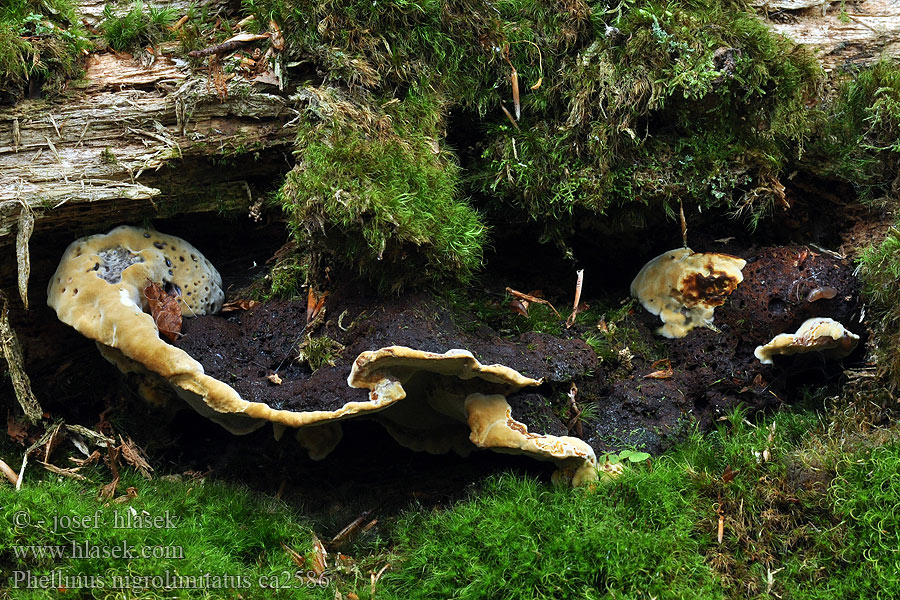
{"type": "Point", "coordinates": [92, 10]}
{"type": "Point", "coordinates": [122, 143]}
{"type": "Point", "coordinates": [844, 35]}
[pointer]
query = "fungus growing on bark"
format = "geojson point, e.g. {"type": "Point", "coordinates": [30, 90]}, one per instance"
{"type": "Point", "coordinates": [97, 289]}
{"type": "Point", "coordinates": [428, 401]}
{"type": "Point", "coordinates": [814, 335]}
{"type": "Point", "coordinates": [684, 288]}
{"type": "Point", "coordinates": [455, 388]}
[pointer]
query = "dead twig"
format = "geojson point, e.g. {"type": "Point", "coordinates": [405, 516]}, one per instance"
{"type": "Point", "coordinates": [376, 577]}
{"type": "Point", "coordinates": [229, 45]}
{"type": "Point", "coordinates": [575, 309]}
{"type": "Point", "coordinates": [530, 298]}
{"type": "Point", "coordinates": [8, 472]}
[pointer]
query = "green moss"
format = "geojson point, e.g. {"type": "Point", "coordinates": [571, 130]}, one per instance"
{"type": "Point", "coordinates": [376, 191]}
{"type": "Point", "coordinates": [859, 138]}
{"type": "Point", "coordinates": [624, 112]}
{"type": "Point", "coordinates": [138, 26]}
{"type": "Point", "coordinates": [204, 527]}
{"type": "Point", "coordinates": [40, 46]}
{"type": "Point", "coordinates": [879, 269]}
{"type": "Point", "coordinates": [319, 351]}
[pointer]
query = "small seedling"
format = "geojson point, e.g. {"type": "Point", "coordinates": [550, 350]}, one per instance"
{"type": "Point", "coordinates": [632, 456]}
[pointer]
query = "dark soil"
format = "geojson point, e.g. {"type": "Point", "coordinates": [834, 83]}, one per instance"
{"type": "Point", "coordinates": [714, 372]}
{"type": "Point", "coordinates": [245, 347]}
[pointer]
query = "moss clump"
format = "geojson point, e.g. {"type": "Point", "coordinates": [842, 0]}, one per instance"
{"type": "Point", "coordinates": [373, 191]}
{"type": "Point", "coordinates": [624, 111]}
{"type": "Point", "coordinates": [40, 46]}
{"type": "Point", "coordinates": [879, 269]}
{"type": "Point", "coordinates": [859, 138]}
{"type": "Point", "coordinates": [213, 539]}
{"type": "Point", "coordinates": [137, 26]}
{"type": "Point", "coordinates": [319, 352]}
{"type": "Point", "coordinates": [658, 102]}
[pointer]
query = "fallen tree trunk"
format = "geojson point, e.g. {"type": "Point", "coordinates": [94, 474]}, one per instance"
{"type": "Point", "coordinates": [136, 141]}
{"type": "Point", "coordinates": [844, 35]}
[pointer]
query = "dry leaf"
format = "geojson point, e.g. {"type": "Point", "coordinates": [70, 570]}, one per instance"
{"type": "Point", "coordinates": [319, 556]}
{"type": "Point", "coordinates": [276, 36]}
{"type": "Point", "coordinates": [519, 306]}
{"type": "Point", "coordinates": [132, 455]}
{"type": "Point", "coordinates": [537, 84]}
{"type": "Point", "coordinates": [72, 473]}
{"type": "Point", "coordinates": [164, 309]}
{"type": "Point", "coordinates": [315, 303]}
{"type": "Point", "coordinates": [109, 490]}
{"type": "Point", "coordinates": [298, 559]}
{"type": "Point", "coordinates": [83, 462]}
{"type": "Point", "coordinates": [239, 305]}
{"type": "Point", "coordinates": [728, 475]}
{"type": "Point", "coordinates": [130, 494]}
{"type": "Point", "coordinates": [664, 370]}
{"type": "Point", "coordinates": [17, 430]}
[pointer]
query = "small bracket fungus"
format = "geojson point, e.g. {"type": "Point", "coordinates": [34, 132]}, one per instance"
{"type": "Point", "coordinates": [815, 335]}
{"type": "Point", "coordinates": [684, 288]}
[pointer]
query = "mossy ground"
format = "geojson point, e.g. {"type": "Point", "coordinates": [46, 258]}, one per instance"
{"type": "Point", "coordinates": [807, 502]}
{"type": "Point", "coordinates": [41, 42]}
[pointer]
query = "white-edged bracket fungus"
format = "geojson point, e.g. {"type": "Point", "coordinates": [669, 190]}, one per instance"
{"type": "Point", "coordinates": [820, 334]}
{"type": "Point", "coordinates": [428, 401]}
{"type": "Point", "coordinates": [445, 390]}
{"type": "Point", "coordinates": [684, 288]}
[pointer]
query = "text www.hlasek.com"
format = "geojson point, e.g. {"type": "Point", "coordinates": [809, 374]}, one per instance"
{"type": "Point", "coordinates": [166, 581]}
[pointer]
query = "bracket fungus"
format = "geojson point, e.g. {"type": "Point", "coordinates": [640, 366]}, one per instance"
{"type": "Point", "coordinates": [449, 389]}
{"type": "Point", "coordinates": [427, 401]}
{"type": "Point", "coordinates": [814, 335]}
{"type": "Point", "coordinates": [684, 288]}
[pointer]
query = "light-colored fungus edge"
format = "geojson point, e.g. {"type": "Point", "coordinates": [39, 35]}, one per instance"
{"type": "Point", "coordinates": [819, 334]}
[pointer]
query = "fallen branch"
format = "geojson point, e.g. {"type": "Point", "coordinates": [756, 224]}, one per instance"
{"type": "Point", "coordinates": [12, 351]}
{"type": "Point", "coordinates": [229, 45]}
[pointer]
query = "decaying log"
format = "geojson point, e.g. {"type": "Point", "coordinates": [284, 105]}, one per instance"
{"type": "Point", "coordinates": [92, 10]}
{"type": "Point", "coordinates": [122, 145]}
{"type": "Point", "coordinates": [845, 35]}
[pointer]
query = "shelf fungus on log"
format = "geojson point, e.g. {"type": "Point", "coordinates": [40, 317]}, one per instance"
{"type": "Point", "coordinates": [684, 288]}
{"type": "Point", "coordinates": [454, 388]}
{"type": "Point", "coordinates": [814, 335]}
{"type": "Point", "coordinates": [426, 400]}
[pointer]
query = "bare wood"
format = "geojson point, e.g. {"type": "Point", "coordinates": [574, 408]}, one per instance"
{"type": "Point", "coordinates": [104, 146]}
{"type": "Point", "coordinates": [860, 35]}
